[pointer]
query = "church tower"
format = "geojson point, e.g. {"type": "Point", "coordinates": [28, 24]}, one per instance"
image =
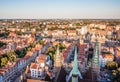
{"type": "Point", "coordinates": [57, 63]}
{"type": "Point", "coordinates": [57, 59]}
{"type": "Point", "coordinates": [95, 60]}
{"type": "Point", "coordinates": [75, 70]}
{"type": "Point", "coordinates": [75, 73]}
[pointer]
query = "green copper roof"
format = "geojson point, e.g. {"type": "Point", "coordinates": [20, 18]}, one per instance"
{"type": "Point", "coordinates": [96, 54]}
{"type": "Point", "coordinates": [75, 64]}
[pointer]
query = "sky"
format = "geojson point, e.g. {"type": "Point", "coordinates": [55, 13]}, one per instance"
{"type": "Point", "coordinates": [62, 9]}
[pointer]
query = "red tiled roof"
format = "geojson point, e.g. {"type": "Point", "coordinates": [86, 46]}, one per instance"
{"type": "Point", "coordinates": [34, 65]}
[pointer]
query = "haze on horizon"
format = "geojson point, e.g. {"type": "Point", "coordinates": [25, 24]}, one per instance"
{"type": "Point", "coordinates": [51, 9]}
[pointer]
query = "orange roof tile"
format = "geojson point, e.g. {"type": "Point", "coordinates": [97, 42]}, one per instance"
{"type": "Point", "coordinates": [108, 56]}
{"type": "Point", "coordinates": [30, 53]}
{"type": "Point", "coordinates": [34, 66]}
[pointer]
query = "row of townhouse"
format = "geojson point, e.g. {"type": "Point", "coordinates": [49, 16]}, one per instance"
{"type": "Point", "coordinates": [13, 43]}
{"type": "Point", "coordinates": [61, 33]}
{"type": "Point", "coordinates": [82, 59]}
{"type": "Point", "coordinates": [7, 72]}
{"type": "Point", "coordinates": [16, 67]}
{"type": "Point", "coordinates": [68, 52]}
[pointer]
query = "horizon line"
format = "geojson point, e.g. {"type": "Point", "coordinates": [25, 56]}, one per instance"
{"type": "Point", "coordinates": [60, 18]}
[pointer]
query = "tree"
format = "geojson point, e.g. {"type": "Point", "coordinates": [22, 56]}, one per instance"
{"type": "Point", "coordinates": [116, 75]}
{"type": "Point", "coordinates": [19, 32]}
{"type": "Point", "coordinates": [111, 65]}
{"type": "Point", "coordinates": [77, 24]}
{"type": "Point", "coordinates": [2, 44]}
{"type": "Point", "coordinates": [62, 46]}
{"type": "Point", "coordinates": [29, 48]}
{"type": "Point", "coordinates": [41, 42]}
{"type": "Point", "coordinates": [5, 34]}
{"type": "Point", "coordinates": [118, 69]}
{"type": "Point", "coordinates": [32, 45]}
{"type": "Point", "coordinates": [17, 52]}
{"type": "Point", "coordinates": [51, 50]}
{"type": "Point", "coordinates": [21, 55]}
{"type": "Point", "coordinates": [51, 56]}
{"type": "Point", "coordinates": [11, 56]}
{"type": "Point", "coordinates": [4, 61]}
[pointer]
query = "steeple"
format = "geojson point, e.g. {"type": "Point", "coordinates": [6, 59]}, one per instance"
{"type": "Point", "coordinates": [57, 63]}
{"type": "Point", "coordinates": [75, 73]}
{"type": "Point", "coordinates": [95, 63]}
{"type": "Point", "coordinates": [75, 70]}
{"type": "Point", "coordinates": [75, 66]}
{"type": "Point", "coordinates": [58, 58]}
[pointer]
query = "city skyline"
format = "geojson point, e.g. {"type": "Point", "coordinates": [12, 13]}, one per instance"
{"type": "Point", "coordinates": [54, 9]}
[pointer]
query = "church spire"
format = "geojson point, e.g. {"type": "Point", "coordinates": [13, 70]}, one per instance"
{"type": "Point", "coordinates": [58, 58]}
{"type": "Point", "coordinates": [75, 73]}
{"type": "Point", "coordinates": [96, 57]}
{"type": "Point", "coordinates": [57, 63]}
{"type": "Point", "coordinates": [75, 66]}
{"type": "Point", "coordinates": [75, 70]}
